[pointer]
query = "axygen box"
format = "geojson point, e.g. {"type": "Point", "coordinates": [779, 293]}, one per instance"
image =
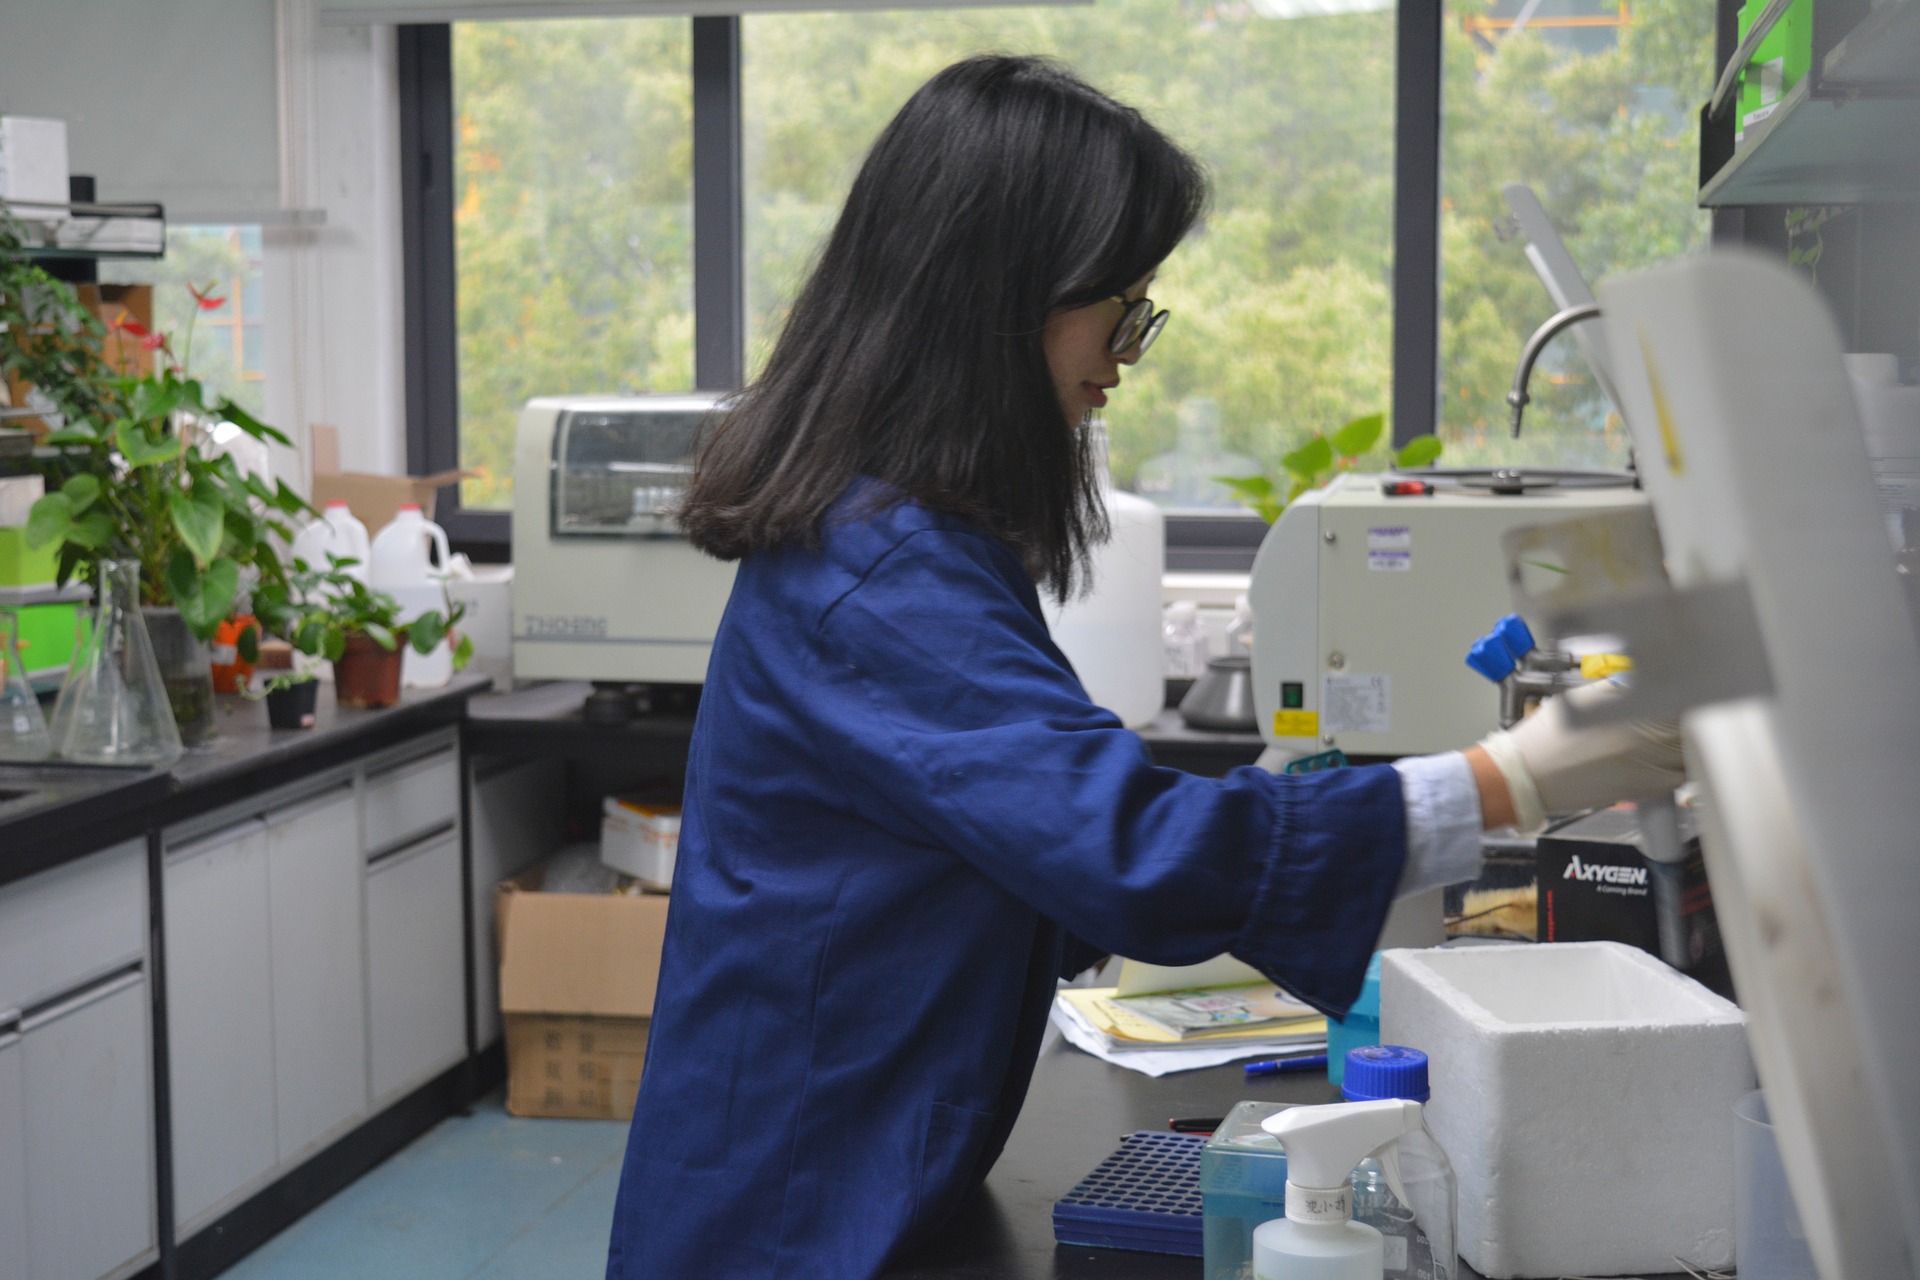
{"type": "Point", "coordinates": [1596, 886]}
{"type": "Point", "coordinates": [578, 972]}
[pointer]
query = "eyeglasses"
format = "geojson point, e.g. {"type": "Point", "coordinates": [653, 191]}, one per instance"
{"type": "Point", "coordinates": [1139, 325]}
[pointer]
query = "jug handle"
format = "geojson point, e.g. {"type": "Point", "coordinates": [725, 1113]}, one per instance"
{"type": "Point", "coordinates": [439, 537]}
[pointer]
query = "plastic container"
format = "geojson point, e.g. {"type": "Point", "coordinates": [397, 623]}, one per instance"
{"type": "Point", "coordinates": [1768, 1241]}
{"type": "Point", "coordinates": [1111, 635]}
{"type": "Point", "coordinates": [401, 555]}
{"type": "Point", "coordinates": [1320, 1238]}
{"type": "Point", "coordinates": [1243, 1183]}
{"type": "Point", "coordinates": [339, 533]}
{"type": "Point", "coordinates": [401, 564]}
{"type": "Point", "coordinates": [1417, 1234]}
{"type": "Point", "coordinates": [1184, 641]}
{"type": "Point", "coordinates": [1360, 1027]}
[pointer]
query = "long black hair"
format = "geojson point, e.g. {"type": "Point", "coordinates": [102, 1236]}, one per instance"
{"type": "Point", "coordinates": [1005, 189]}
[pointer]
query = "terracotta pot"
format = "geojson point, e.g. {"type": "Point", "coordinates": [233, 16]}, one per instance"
{"type": "Point", "coordinates": [292, 707]}
{"type": "Point", "coordinates": [367, 675]}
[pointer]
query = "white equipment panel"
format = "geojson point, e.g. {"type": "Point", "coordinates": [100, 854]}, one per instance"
{"type": "Point", "coordinates": [1365, 605]}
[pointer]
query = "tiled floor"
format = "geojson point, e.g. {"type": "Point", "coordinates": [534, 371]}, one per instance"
{"type": "Point", "coordinates": [486, 1196]}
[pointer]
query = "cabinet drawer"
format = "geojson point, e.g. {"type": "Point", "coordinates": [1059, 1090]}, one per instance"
{"type": "Point", "coordinates": [415, 967]}
{"type": "Point", "coordinates": [410, 800]}
{"type": "Point", "coordinates": [75, 922]}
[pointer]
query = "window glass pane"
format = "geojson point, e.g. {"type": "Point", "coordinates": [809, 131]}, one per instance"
{"type": "Point", "coordinates": [224, 265]}
{"type": "Point", "coordinates": [1593, 104]}
{"type": "Point", "coordinates": [573, 228]}
{"type": "Point", "coordinates": [1281, 303]}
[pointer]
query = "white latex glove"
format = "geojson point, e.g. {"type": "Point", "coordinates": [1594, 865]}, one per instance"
{"type": "Point", "coordinates": [1551, 767]}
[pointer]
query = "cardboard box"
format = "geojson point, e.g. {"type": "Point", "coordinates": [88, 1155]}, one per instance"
{"type": "Point", "coordinates": [374, 499]}
{"type": "Point", "coordinates": [640, 839]}
{"type": "Point", "coordinates": [578, 974]}
{"type": "Point", "coordinates": [1596, 886]}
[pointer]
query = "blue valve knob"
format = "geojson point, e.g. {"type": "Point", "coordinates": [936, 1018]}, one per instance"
{"type": "Point", "coordinates": [1496, 654]}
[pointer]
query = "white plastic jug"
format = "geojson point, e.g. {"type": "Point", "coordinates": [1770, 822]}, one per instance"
{"type": "Point", "coordinates": [337, 532]}
{"type": "Point", "coordinates": [401, 556]}
{"type": "Point", "coordinates": [403, 567]}
{"type": "Point", "coordinates": [1112, 635]}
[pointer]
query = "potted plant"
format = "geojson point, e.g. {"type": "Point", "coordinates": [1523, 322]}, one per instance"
{"type": "Point", "coordinates": [329, 613]}
{"type": "Point", "coordinates": [134, 478]}
{"type": "Point", "coordinates": [291, 698]}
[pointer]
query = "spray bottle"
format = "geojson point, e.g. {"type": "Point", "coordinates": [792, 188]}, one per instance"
{"type": "Point", "coordinates": [1318, 1239]}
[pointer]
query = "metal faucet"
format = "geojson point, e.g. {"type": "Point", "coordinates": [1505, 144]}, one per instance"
{"type": "Point", "coordinates": [1546, 333]}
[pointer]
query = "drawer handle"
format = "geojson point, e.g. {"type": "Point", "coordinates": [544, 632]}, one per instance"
{"type": "Point", "coordinates": [409, 845]}
{"type": "Point", "coordinates": [73, 1001]}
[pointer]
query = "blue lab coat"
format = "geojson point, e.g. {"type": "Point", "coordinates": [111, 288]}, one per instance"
{"type": "Point", "coordinates": [902, 815]}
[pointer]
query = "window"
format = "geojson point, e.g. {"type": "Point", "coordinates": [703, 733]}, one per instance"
{"type": "Point", "coordinates": [573, 222]}
{"type": "Point", "coordinates": [1591, 103]}
{"type": "Point", "coordinates": [222, 344]}
{"type": "Point", "coordinates": [1281, 301]}
{"type": "Point", "coordinates": [578, 163]}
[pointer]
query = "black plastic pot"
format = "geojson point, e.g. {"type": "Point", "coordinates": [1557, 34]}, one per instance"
{"type": "Point", "coordinates": [292, 707]}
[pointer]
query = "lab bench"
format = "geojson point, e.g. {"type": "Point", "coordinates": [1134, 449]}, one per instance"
{"type": "Point", "coordinates": [1077, 1110]}
{"type": "Point", "coordinates": [230, 987]}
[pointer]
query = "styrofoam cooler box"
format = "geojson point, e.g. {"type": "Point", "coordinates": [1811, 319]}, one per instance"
{"type": "Point", "coordinates": [640, 839]}
{"type": "Point", "coordinates": [1584, 1092]}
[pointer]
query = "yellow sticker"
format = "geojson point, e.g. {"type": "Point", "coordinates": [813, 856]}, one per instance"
{"type": "Point", "coordinates": [1296, 724]}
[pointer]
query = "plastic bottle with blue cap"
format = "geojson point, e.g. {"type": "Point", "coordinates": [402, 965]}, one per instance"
{"type": "Point", "coordinates": [1416, 1218]}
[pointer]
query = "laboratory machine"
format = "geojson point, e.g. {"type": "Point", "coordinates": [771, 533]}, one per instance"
{"type": "Point", "coordinates": [606, 587]}
{"type": "Point", "coordinates": [1366, 600]}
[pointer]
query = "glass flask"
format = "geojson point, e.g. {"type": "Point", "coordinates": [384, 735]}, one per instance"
{"type": "Point", "coordinates": [23, 730]}
{"type": "Point", "coordinates": [113, 707]}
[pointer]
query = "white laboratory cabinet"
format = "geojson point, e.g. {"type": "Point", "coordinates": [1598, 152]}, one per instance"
{"type": "Point", "coordinates": [315, 967]}
{"type": "Point", "coordinates": [76, 1083]}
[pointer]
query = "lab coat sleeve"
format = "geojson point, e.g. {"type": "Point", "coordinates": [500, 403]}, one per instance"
{"type": "Point", "coordinates": [1443, 822]}
{"type": "Point", "coordinates": [954, 721]}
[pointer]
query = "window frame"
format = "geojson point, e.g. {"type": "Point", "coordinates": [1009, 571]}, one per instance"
{"type": "Point", "coordinates": [1210, 543]}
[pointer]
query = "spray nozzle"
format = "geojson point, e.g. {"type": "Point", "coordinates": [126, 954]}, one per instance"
{"type": "Point", "coordinates": [1323, 1144]}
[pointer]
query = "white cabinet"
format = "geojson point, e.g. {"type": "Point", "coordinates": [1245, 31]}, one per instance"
{"type": "Point", "coordinates": [316, 943]}
{"type": "Point", "coordinates": [415, 965]}
{"type": "Point", "coordinates": [76, 1071]}
{"type": "Point", "coordinates": [13, 1156]}
{"type": "Point", "coordinates": [87, 1070]}
{"type": "Point", "coordinates": [219, 1019]}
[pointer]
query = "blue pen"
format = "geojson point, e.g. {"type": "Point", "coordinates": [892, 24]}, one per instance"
{"type": "Point", "coordinates": [1280, 1066]}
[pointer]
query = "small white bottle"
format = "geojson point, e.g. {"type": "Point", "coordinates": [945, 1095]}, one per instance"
{"type": "Point", "coordinates": [1185, 641]}
{"type": "Point", "coordinates": [1318, 1239]}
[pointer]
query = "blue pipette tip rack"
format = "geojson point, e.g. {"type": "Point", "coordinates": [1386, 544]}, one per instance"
{"type": "Point", "coordinates": [1145, 1196]}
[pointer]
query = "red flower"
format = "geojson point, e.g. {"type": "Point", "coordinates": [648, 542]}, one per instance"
{"type": "Point", "coordinates": [153, 341]}
{"type": "Point", "coordinates": [126, 324]}
{"type": "Point", "coordinates": [206, 298]}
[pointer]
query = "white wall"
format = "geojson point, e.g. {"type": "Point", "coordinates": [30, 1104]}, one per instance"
{"type": "Point", "coordinates": [335, 348]}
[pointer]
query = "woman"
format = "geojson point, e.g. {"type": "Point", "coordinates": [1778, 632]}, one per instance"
{"type": "Point", "coordinates": [903, 818]}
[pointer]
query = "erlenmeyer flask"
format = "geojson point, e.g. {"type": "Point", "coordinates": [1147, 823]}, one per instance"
{"type": "Point", "coordinates": [23, 730]}
{"type": "Point", "coordinates": [113, 707]}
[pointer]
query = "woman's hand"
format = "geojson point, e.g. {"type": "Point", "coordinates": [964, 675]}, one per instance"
{"type": "Point", "coordinates": [1548, 766]}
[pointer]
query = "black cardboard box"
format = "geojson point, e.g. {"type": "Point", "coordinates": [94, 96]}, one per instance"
{"type": "Point", "coordinates": [1596, 885]}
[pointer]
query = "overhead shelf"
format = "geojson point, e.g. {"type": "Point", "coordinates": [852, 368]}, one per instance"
{"type": "Point", "coordinates": [95, 231]}
{"type": "Point", "coordinates": [1848, 135]}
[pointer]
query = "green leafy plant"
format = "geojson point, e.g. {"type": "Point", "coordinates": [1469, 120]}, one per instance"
{"type": "Point", "coordinates": [133, 477]}
{"type": "Point", "coordinates": [316, 610]}
{"type": "Point", "coordinates": [280, 682]}
{"type": "Point", "coordinates": [1310, 466]}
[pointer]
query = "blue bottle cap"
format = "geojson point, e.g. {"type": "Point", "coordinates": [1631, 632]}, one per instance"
{"type": "Point", "coordinates": [1490, 658]}
{"type": "Point", "coordinates": [1515, 635]}
{"type": "Point", "coordinates": [1377, 1071]}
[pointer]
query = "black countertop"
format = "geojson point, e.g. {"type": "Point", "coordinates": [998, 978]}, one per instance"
{"type": "Point", "coordinates": [546, 718]}
{"type": "Point", "coordinates": [66, 811]}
